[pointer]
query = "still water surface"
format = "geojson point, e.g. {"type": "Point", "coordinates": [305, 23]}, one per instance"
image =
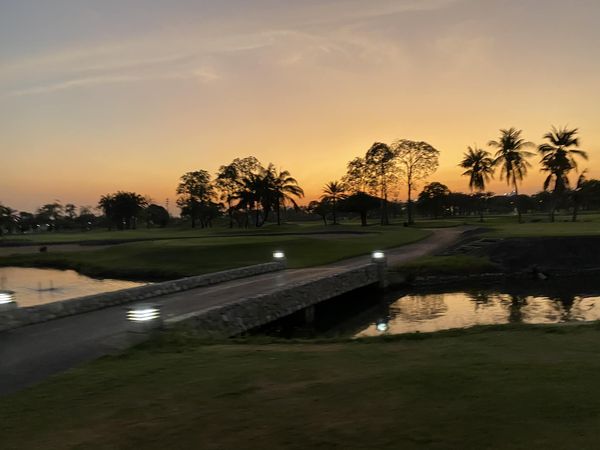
{"type": "Point", "coordinates": [441, 311]}
{"type": "Point", "coordinates": [39, 286]}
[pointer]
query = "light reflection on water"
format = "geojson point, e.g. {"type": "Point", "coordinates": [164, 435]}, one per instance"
{"type": "Point", "coordinates": [434, 312]}
{"type": "Point", "coordinates": [39, 286]}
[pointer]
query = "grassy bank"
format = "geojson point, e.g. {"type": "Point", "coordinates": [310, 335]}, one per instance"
{"type": "Point", "coordinates": [167, 259]}
{"type": "Point", "coordinates": [495, 388]}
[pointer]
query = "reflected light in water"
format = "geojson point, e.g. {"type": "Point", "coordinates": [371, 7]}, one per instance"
{"type": "Point", "coordinates": [434, 312]}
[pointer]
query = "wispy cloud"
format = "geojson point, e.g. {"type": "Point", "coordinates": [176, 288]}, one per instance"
{"type": "Point", "coordinates": [201, 75]}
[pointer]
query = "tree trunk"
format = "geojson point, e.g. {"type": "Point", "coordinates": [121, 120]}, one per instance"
{"type": "Point", "coordinates": [517, 203]}
{"type": "Point", "coordinates": [409, 204]}
{"type": "Point", "coordinates": [334, 213]}
{"type": "Point", "coordinates": [230, 213]}
{"type": "Point", "coordinates": [277, 209]}
{"type": "Point", "coordinates": [363, 219]}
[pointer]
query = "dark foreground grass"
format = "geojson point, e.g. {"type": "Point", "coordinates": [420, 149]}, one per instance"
{"type": "Point", "coordinates": [168, 259]}
{"type": "Point", "coordinates": [496, 388]}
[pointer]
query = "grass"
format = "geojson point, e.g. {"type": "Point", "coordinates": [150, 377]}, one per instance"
{"type": "Point", "coordinates": [448, 265]}
{"type": "Point", "coordinates": [102, 236]}
{"type": "Point", "coordinates": [167, 259]}
{"type": "Point", "coordinates": [518, 387]}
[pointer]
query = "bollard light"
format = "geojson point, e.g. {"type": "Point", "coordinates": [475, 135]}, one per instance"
{"type": "Point", "coordinates": [382, 327]}
{"type": "Point", "coordinates": [143, 313]}
{"type": "Point", "coordinates": [278, 255]}
{"type": "Point", "coordinates": [7, 300]}
{"type": "Point", "coordinates": [378, 256]}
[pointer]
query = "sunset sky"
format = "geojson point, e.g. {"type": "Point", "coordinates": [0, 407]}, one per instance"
{"type": "Point", "coordinates": [104, 95]}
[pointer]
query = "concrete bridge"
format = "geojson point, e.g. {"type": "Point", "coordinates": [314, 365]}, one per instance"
{"type": "Point", "coordinates": [29, 354]}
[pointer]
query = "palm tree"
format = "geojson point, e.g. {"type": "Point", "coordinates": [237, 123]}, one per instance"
{"type": "Point", "coordinates": [332, 193]}
{"type": "Point", "coordinates": [577, 194]}
{"type": "Point", "coordinates": [480, 168]}
{"type": "Point", "coordinates": [512, 157]}
{"type": "Point", "coordinates": [558, 159]}
{"type": "Point", "coordinates": [284, 188]}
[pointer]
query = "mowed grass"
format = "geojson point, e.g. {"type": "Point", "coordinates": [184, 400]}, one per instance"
{"type": "Point", "coordinates": [538, 225]}
{"type": "Point", "coordinates": [517, 387]}
{"type": "Point", "coordinates": [142, 233]}
{"type": "Point", "coordinates": [167, 259]}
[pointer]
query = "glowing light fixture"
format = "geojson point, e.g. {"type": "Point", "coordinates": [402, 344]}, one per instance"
{"type": "Point", "coordinates": [7, 300]}
{"type": "Point", "coordinates": [382, 327]}
{"type": "Point", "coordinates": [278, 255]}
{"type": "Point", "coordinates": [6, 297]}
{"type": "Point", "coordinates": [378, 256]}
{"type": "Point", "coordinates": [143, 313]}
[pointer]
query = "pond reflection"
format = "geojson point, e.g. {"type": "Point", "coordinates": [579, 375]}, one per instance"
{"type": "Point", "coordinates": [38, 286]}
{"type": "Point", "coordinates": [441, 311]}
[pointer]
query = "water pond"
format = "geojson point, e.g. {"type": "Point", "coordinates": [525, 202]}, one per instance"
{"type": "Point", "coordinates": [38, 286]}
{"type": "Point", "coordinates": [365, 313]}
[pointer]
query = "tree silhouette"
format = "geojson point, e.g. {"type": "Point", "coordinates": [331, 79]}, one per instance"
{"type": "Point", "coordinates": [579, 194]}
{"type": "Point", "coordinates": [122, 208]}
{"type": "Point", "coordinates": [358, 177]}
{"type": "Point", "coordinates": [417, 161]}
{"type": "Point", "coordinates": [195, 196]}
{"type": "Point", "coordinates": [558, 159]}
{"type": "Point", "coordinates": [433, 198]}
{"type": "Point", "coordinates": [512, 157]}
{"type": "Point", "coordinates": [480, 170]}
{"type": "Point", "coordinates": [284, 188]}
{"type": "Point", "coordinates": [360, 203]}
{"type": "Point", "coordinates": [333, 192]}
{"type": "Point", "coordinates": [320, 208]}
{"type": "Point", "coordinates": [381, 162]}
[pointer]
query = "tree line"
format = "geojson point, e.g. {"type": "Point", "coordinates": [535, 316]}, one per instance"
{"type": "Point", "coordinates": [247, 193]}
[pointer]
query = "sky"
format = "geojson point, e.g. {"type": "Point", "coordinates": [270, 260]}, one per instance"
{"type": "Point", "coordinates": [104, 95]}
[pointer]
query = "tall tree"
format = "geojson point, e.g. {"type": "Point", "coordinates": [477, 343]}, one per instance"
{"type": "Point", "coordinates": [360, 203]}
{"type": "Point", "coordinates": [357, 177]}
{"type": "Point", "coordinates": [122, 208]}
{"type": "Point", "coordinates": [320, 208]}
{"type": "Point", "coordinates": [195, 192]}
{"type": "Point", "coordinates": [480, 169]}
{"type": "Point", "coordinates": [433, 199]}
{"type": "Point", "coordinates": [381, 165]}
{"type": "Point", "coordinates": [417, 161]}
{"type": "Point", "coordinates": [511, 156]}
{"type": "Point", "coordinates": [578, 194]}
{"type": "Point", "coordinates": [333, 192]}
{"type": "Point", "coordinates": [228, 184]}
{"type": "Point", "coordinates": [558, 160]}
{"type": "Point", "coordinates": [231, 181]}
{"type": "Point", "coordinates": [285, 189]}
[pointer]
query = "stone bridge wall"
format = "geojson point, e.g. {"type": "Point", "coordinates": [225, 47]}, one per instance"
{"type": "Point", "coordinates": [34, 314]}
{"type": "Point", "coordinates": [249, 313]}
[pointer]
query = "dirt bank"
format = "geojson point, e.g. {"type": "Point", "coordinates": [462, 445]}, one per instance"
{"type": "Point", "coordinates": [545, 253]}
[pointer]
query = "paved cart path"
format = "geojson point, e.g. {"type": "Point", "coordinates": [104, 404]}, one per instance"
{"type": "Point", "coordinates": [32, 353]}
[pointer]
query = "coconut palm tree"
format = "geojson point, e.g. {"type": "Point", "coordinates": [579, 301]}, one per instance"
{"type": "Point", "coordinates": [558, 160]}
{"type": "Point", "coordinates": [512, 157]}
{"type": "Point", "coordinates": [333, 192]}
{"type": "Point", "coordinates": [480, 169]}
{"type": "Point", "coordinates": [577, 194]}
{"type": "Point", "coordinates": [283, 188]}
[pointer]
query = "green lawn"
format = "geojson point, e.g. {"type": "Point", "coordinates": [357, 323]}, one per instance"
{"type": "Point", "coordinates": [517, 387]}
{"type": "Point", "coordinates": [166, 259]}
{"type": "Point", "coordinates": [102, 235]}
